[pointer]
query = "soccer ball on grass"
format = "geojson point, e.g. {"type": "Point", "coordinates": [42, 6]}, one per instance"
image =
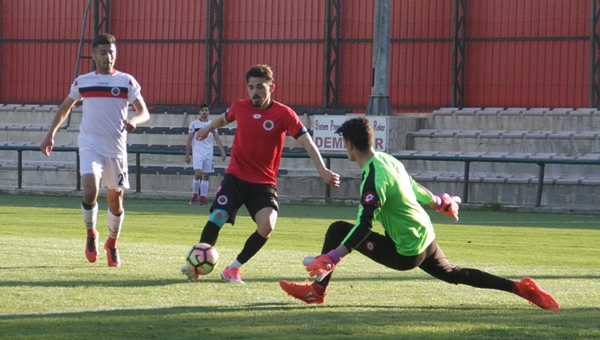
{"type": "Point", "coordinates": [201, 259]}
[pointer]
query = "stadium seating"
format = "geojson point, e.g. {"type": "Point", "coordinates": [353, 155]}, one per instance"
{"type": "Point", "coordinates": [447, 133]}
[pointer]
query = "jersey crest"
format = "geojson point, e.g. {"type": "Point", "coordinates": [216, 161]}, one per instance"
{"type": "Point", "coordinates": [370, 198]}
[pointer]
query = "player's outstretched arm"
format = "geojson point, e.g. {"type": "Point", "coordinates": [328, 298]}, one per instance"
{"type": "Point", "coordinates": [444, 203]}
{"type": "Point", "coordinates": [447, 205]}
{"type": "Point", "coordinates": [64, 109]}
{"type": "Point", "coordinates": [328, 176]}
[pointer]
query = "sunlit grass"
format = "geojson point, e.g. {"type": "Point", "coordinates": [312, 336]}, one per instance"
{"type": "Point", "coordinates": [50, 291]}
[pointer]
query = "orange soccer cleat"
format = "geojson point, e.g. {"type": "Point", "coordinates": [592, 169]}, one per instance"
{"type": "Point", "coordinates": [112, 255]}
{"type": "Point", "coordinates": [529, 290]}
{"type": "Point", "coordinates": [304, 292]}
{"type": "Point", "coordinates": [91, 247]}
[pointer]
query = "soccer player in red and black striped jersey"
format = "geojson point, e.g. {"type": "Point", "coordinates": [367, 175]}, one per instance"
{"type": "Point", "coordinates": [250, 178]}
{"type": "Point", "coordinates": [391, 196]}
{"type": "Point", "coordinates": [105, 94]}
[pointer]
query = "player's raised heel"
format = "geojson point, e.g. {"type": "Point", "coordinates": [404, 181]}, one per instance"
{"type": "Point", "coordinates": [303, 292]}
{"type": "Point", "coordinates": [91, 247]}
{"type": "Point", "coordinates": [232, 275]}
{"type": "Point", "coordinates": [194, 200]}
{"type": "Point", "coordinates": [112, 255]}
{"type": "Point", "coordinates": [529, 290]}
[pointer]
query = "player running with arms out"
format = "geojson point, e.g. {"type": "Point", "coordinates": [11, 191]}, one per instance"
{"type": "Point", "coordinates": [391, 196]}
{"type": "Point", "coordinates": [203, 155]}
{"type": "Point", "coordinates": [250, 178]}
{"type": "Point", "coordinates": [105, 93]}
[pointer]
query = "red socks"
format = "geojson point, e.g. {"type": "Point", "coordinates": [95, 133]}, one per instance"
{"type": "Point", "coordinates": [319, 289]}
{"type": "Point", "coordinates": [111, 242]}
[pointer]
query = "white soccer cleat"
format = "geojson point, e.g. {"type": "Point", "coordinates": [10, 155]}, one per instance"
{"type": "Point", "coordinates": [187, 271]}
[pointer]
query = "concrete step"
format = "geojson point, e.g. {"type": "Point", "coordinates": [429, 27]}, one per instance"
{"type": "Point", "coordinates": [557, 119]}
{"type": "Point", "coordinates": [36, 114]}
{"type": "Point", "coordinates": [511, 141]}
{"type": "Point", "coordinates": [574, 192]}
{"type": "Point", "coordinates": [145, 135]}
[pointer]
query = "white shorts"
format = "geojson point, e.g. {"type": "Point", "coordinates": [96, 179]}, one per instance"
{"type": "Point", "coordinates": [112, 171]}
{"type": "Point", "coordinates": [204, 164]}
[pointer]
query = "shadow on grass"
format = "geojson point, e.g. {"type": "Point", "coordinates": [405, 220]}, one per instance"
{"type": "Point", "coordinates": [264, 320]}
{"type": "Point", "coordinates": [212, 278]}
{"type": "Point", "coordinates": [329, 212]}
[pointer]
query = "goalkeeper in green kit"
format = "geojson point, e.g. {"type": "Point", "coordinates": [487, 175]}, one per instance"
{"type": "Point", "coordinates": [391, 196]}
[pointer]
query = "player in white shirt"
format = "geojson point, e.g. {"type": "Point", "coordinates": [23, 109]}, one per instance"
{"type": "Point", "coordinates": [202, 151]}
{"type": "Point", "coordinates": [102, 139]}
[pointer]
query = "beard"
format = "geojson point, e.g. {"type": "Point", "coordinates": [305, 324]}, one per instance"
{"type": "Point", "coordinates": [256, 104]}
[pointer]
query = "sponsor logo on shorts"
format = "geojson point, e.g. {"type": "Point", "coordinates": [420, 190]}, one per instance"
{"type": "Point", "coordinates": [222, 200]}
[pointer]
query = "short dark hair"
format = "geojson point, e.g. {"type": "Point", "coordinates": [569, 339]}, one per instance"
{"type": "Point", "coordinates": [358, 131]}
{"type": "Point", "coordinates": [260, 71]}
{"type": "Point", "coordinates": [103, 39]}
{"type": "Point", "coordinates": [204, 106]}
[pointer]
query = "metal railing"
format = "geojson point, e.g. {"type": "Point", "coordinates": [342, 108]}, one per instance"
{"type": "Point", "coordinates": [467, 160]}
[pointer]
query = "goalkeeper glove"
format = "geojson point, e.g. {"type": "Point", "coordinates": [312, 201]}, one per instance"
{"type": "Point", "coordinates": [322, 265]}
{"type": "Point", "coordinates": [447, 205]}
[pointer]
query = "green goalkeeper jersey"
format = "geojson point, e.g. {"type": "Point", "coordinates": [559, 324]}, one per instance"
{"type": "Point", "coordinates": [389, 195]}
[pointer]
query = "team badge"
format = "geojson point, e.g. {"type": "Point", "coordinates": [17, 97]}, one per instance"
{"type": "Point", "coordinates": [115, 91]}
{"type": "Point", "coordinates": [369, 198]}
{"type": "Point", "coordinates": [222, 200]}
{"type": "Point", "coordinates": [268, 125]}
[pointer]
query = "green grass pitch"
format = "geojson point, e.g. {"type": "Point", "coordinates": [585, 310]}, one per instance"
{"type": "Point", "coordinates": [48, 290]}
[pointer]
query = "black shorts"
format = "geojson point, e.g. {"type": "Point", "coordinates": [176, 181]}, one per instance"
{"type": "Point", "coordinates": [234, 192]}
{"type": "Point", "coordinates": [382, 249]}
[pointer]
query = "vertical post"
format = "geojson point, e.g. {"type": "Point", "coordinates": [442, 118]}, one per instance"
{"type": "Point", "coordinates": [214, 50]}
{"type": "Point", "coordinates": [454, 51]}
{"type": "Point", "coordinates": [594, 100]}
{"type": "Point", "coordinates": [540, 188]}
{"type": "Point", "coordinates": [78, 61]}
{"type": "Point", "coordinates": [19, 169]}
{"type": "Point", "coordinates": [327, 187]}
{"type": "Point", "coordinates": [207, 91]}
{"type": "Point", "coordinates": [327, 53]}
{"type": "Point", "coordinates": [78, 186]}
{"type": "Point", "coordinates": [465, 197]}
{"type": "Point", "coordinates": [379, 101]}
{"type": "Point", "coordinates": [459, 47]}
{"type": "Point", "coordinates": [96, 20]}
{"type": "Point", "coordinates": [138, 173]}
{"type": "Point", "coordinates": [332, 53]}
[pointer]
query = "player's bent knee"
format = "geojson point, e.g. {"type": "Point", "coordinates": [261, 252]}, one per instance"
{"type": "Point", "coordinates": [265, 230]}
{"type": "Point", "coordinates": [218, 217]}
{"type": "Point", "coordinates": [340, 227]}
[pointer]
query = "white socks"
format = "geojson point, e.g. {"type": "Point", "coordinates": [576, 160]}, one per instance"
{"type": "Point", "coordinates": [114, 224]}
{"type": "Point", "coordinates": [204, 188]}
{"type": "Point", "coordinates": [235, 264]}
{"type": "Point", "coordinates": [196, 186]}
{"type": "Point", "coordinates": [90, 217]}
